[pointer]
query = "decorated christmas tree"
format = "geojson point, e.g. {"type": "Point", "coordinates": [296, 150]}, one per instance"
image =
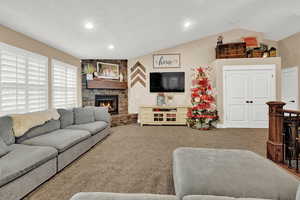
{"type": "Point", "coordinates": [203, 112]}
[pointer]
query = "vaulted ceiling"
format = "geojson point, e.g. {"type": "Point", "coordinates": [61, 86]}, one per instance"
{"type": "Point", "coordinates": [130, 28]}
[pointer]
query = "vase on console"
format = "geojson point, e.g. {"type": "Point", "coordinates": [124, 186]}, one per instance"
{"type": "Point", "coordinates": [170, 100]}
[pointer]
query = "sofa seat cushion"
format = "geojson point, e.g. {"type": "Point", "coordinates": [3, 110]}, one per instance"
{"type": "Point", "coordinates": [61, 139]}
{"type": "Point", "coordinates": [120, 196]}
{"type": "Point", "coordinates": [21, 159]}
{"type": "Point", "coordinates": [233, 173]}
{"type": "Point", "coordinates": [93, 127]}
{"type": "Point", "coordinates": [211, 197]}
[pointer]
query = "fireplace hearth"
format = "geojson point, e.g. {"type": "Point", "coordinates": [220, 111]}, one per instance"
{"type": "Point", "coordinates": [110, 101]}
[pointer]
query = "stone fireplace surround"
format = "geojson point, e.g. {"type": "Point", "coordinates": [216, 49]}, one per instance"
{"type": "Point", "coordinates": [89, 95]}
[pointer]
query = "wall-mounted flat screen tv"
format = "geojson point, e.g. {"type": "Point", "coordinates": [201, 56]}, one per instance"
{"type": "Point", "coordinates": [167, 82]}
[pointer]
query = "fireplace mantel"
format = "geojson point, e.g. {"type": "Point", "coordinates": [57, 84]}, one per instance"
{"type": "Point", "coordinates": [106, 84]}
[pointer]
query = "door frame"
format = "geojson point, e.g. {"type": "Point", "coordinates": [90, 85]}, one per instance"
{"type": "Point", "coordinates": [296, 69]}
{"type": "Point", "coordinates": [271, 67]}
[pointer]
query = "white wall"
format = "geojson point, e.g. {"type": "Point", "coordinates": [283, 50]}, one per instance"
{"type": "Point", "coordinates": [193, 54]}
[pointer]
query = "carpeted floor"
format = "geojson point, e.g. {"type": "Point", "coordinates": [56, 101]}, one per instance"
{"type": "Point", "coordinates": [138, 160]}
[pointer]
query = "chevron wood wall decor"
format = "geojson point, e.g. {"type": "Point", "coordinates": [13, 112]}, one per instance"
{"type": "Point", "coordinates": [138, 79]}
{"type": "Point", "coordinates": [138, 64]}
{"type": "Point", "coordinates": [138, 74]}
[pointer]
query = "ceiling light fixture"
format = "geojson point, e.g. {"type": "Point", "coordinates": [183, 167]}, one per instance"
{"type": "Point", "coordinates": [187, 24]}
{"type": "Point", "coordinates": [111, 47]}
{"type": "Point", "coordinates": [89, 25]}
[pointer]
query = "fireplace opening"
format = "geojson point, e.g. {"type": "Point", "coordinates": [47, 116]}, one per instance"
{"type": "Point", "coordinates": [110, 101]}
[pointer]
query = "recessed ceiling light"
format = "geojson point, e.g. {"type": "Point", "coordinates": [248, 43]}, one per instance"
{"type": "Point", "coordinates": [111, 47]}
{"type": "Point", "coordinates": [187, 24]}
{"type": "Point", "coordinates": [89, 25]}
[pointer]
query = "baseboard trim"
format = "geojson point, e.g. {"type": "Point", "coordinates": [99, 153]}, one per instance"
{"type": "Point", "coordinates": [221, 126]}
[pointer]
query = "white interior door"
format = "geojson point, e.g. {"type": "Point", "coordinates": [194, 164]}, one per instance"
{"type": "Point", "coordinates": [290, 88]}
{"type": "Point", "coordinates": [246, 91]}
{"type": "Point", "coordinates": [260, 91]}
{"type": "Point", "coordinates": [236, 89]}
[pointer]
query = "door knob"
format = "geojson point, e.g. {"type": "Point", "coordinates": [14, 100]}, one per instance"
{"type": "Point", "coordinates": [247, 102]}
{"type": "Point", "coordinates": [293, 101]}
{"type": "Point", "coordinates": [250, 101]}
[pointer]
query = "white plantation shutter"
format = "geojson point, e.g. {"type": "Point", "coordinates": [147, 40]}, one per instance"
{"type": "Point", "coordinates": [23, 81]}
{"type": "Point", "coordinates": [64, 85]}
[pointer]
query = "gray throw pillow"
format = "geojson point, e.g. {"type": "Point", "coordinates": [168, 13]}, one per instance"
{"type": "Point", "coordinates": [3, 148]}
{"type": "Point", "coordinates": [66, 117]}
{"type": "Point", "coordinates": [6, 130]}
{"type": "Point", "coordinates": [102, 114]}
{"type": "Point", "coordinates": [84, 115]}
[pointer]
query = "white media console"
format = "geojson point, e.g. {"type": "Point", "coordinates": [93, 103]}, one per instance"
{"type": "Point", "coordinates": [163, 115]}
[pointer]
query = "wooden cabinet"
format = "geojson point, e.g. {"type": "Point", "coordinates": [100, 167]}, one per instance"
{"type": "Point", "coordinates": [163, 115]}
{"type": "Point", "coordinates": [231, 50]}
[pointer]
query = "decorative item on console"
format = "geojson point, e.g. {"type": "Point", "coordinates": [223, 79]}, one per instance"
{"type": "Point", "coordinates": [170, 99]}
{"type": "Point", "coordinates": [203, 113]}
{"type": "Point", "coordinates": [161, 99]}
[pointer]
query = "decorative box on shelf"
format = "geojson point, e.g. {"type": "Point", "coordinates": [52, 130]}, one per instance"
{"type": "Point", "coordinates": [163, 115]}
{"type": "Point", "coordinates": [231, 50]}
{"type": "Point", "coordinates": [106, 84]}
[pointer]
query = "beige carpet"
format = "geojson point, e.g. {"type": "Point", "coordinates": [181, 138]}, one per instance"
{"type": "Point", "coordinates": [138, 159]}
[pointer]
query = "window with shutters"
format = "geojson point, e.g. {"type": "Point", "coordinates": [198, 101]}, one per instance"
{"type": "Point", "coordinates": [64, 85]}
{"type": "Point", "coordinates": [23, 81]}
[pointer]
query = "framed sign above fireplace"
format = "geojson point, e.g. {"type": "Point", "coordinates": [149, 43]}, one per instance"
{"type": "Point", "coordinates": [107, 70]}
{"type": "Point", "coordinates": [166, 61]}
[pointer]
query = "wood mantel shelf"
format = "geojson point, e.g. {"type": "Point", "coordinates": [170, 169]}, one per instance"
{"type": "Point", "coordinates": [106, 84]}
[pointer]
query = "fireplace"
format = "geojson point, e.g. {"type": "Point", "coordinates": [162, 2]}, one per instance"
{"type": "Point", "coordinates": [110, 101]}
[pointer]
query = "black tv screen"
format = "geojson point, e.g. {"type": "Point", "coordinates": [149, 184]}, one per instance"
{"type": "Point", "coordinates": [167, 82]}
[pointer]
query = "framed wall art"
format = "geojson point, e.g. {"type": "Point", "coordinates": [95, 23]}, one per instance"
{"type": "Point", "coordinates": [166, 61]}
{"type": "Point", "coordinates": [107, 70]}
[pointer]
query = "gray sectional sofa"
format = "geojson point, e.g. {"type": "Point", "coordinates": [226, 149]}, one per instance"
{"type": "Point", "coordinates": [218, 174]}
{"type": "Point", "coordinates": [28, 161]}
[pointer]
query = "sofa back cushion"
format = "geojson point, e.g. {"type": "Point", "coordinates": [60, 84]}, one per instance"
{"type": "Point", "coordinates": [3, 148]}
{"type": "Point", "coordinates": [84, 115]}
{"type": "Point", "coordinates": [49, 126]}
{"type": "Point", "coordinates": [6, 130]}
{"type": "Point", "coordinates": [102, 114]}
{"type": "Point", "coordinates": [66, 117]}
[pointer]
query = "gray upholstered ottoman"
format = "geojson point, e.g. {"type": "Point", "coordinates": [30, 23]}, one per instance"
{"type": "Point", "coordinates": [120, 196]}
{"type": "Point", "coordinates": [232, 173]}
{"type": "Point", "coordinates": [211, 197]}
